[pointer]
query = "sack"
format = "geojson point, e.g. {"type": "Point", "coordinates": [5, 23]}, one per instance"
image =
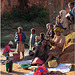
{"type": "Point", "coordinates": [52, 63]}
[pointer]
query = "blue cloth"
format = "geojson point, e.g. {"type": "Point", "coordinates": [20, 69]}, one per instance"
{"type": "Point", "coordinates": [61, 26]}
{"type": "Point", "coordinates": [73, 11]}
{"type": "Point", "coordinates": [17, 37]}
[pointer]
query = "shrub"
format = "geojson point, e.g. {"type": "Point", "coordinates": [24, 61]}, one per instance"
{"type": "Point", "coordinates": [6, 15]}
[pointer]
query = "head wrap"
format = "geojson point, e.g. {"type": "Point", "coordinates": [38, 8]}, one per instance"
{"type": "Point", "coordinates": [58, 29]}
{"type": "Point", "coordinates": [10, 42]}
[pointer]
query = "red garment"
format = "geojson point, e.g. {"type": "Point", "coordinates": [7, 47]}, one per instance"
{"type": "Point", "coordinates": [7, 50]}
{"type": "Point", "coordinates": [20, 37]}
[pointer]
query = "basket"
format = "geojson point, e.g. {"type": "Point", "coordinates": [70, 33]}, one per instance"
{"type": "Point", "coordinates": [16, 56]}
{"type": "Point", "coordinates": [52, 63]}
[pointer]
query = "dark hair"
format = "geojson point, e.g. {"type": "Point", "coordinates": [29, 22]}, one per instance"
{"type": "Point", "coordinates": [71, 3]}
{"type": "Point", "coordinates": [46, 44]}
{"type": "Point", "coordinates": [42, 35]}
{"type": "Point", "coordinates": [33, 29]}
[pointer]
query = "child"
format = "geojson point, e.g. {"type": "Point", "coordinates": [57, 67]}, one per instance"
{"type": "Point", "coordinates": [20, 39]}
{"type": "Point", "coordinates": [7, 50]}
{"type": "Point", "coordinates": [32, 39]}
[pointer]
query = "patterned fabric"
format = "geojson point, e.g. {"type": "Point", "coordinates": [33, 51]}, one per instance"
{"type": "Point", "coordinates": [58, 29]}
{"type": "Point", "coordinates": [17, 37]}
{"type": "Point", "coordinates": [20, 47]}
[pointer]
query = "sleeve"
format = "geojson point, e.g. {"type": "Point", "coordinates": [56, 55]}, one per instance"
{"type": "Point", "coordinates": [8, 48]}
{"type": "Point", "coordinates": [16, 37]}
{"type": "Point", "coordinates": [24, 38]}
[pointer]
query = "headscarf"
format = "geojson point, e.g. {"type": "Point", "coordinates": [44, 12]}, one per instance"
{"type": "Point", "coordinates": [47, 25]}
{"type": "Point", "coordinates": [63, 13]}
{"type": "Point", "coordinates": [58, 29]}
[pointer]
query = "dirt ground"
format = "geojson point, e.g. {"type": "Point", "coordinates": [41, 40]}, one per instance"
{"type": "Point", "coordinates": [17, 70]}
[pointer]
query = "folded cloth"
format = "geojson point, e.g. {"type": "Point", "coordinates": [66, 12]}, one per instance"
{"type": "Point", "coordinates": [37, 60]}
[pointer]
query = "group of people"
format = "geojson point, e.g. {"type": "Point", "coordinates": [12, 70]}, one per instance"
{"type": "Point", "coordinates": [46, 46]}
{"type": "Point", "coordinates": [66, 17]}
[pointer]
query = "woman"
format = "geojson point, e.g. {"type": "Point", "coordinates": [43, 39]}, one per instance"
{"type": "Point", "coordinates": [7, 50]}
{"type": "Point", "coordinates": [63, 20]}
{"type": "Point", "coordinates": [57, 44]}
{"type": "Point", "coordinates": [20, 38]}
{"type": "Point", "coordinates": [50, 31]}
{"type": "Point", "coordinates": [41, 52]}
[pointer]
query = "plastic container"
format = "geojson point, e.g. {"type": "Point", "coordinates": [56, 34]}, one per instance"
{"type": "Point", "coordinates": [16, 56]}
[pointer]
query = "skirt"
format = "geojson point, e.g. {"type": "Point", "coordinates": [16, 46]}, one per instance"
{"type": "Point", "coordinates": [20, 47]}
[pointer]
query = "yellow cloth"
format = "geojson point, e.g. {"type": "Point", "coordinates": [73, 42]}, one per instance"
{"type": "Point", "coordinates": [58, 29]}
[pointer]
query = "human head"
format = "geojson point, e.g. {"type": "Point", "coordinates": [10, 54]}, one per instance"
{"type": "Point", "coordinates": [47, 25]}
{"type": "Point", "coordinates": [44, 43]}
{"type": "Point", "coordinates": [32, 30]}
{"type": "Point", "coordinates": [70, 5]}
{"type": "Point", "coordinates": [50, 27]}
{"type": "Point", "coordinates": [62, 13]}
{"type": "Point", "coordinates": [58, 31]}
{"type": "Point", "coordinates": [42, 35]}
{"type": "Point", "coordinates": [10, 43]}
{"type": "Point", "coordinates": [37, 38]}
{"type": "Point", "coordinates": [20, 29]}
{"type": "Point", "coordinates": [67, 8]}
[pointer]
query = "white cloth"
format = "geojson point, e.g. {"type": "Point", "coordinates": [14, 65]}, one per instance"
{"type": "Point", "coordinates": [24, 62]}
{"type": "Point", "coordinates": [10, 42]}
{"type": "Point", "coordinates": [62, 68]}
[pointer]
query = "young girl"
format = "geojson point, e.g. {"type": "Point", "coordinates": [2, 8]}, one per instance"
{"type": "Point", "coordinates": [7, 50]}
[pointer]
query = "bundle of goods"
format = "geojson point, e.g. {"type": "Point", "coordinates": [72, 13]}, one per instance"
{"type": "Point", "coordinates": [40, 70]}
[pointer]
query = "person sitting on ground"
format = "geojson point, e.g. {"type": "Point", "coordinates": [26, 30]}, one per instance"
{"type": "Point", "coordinates": [41, 54]}
{"type": "Point", "coordinates": [57, 44]}
{"type": "Point", "coordinates": [7, 50]}
{"type": "Point", "coordinates": [20, 39]}
{"type": "Point", "coordinates": [37, 40]}
{"type": "Point", "coordinates": [72, 10]}
{"type": "Point", "coordinates": [47, 25]}
{"type": "Point", "coordinates": [32, 41]}
{"type": "Point", "coordinates": [42, 36]}
{"type": "Point", "coordinates": [50, 31]}
{"type": "Point", "coordinates": [63, 21]}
